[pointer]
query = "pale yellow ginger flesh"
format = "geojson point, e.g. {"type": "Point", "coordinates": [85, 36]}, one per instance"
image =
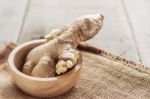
{"type": "Point", "coordinates": [72, 58]}
{"type": "Point", "coordinates": [59, 53]}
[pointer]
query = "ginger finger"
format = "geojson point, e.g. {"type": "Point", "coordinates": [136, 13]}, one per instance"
{"type": "Point", "coordinates": [61, 67]}
{"type": "Point", "coordinates": [53, 34]}
{"type": "Point", "coordinates": [27, 68]}
{"type": "Point", "coordinates": [69, 63]}
{"type": "Point", "coordinates": [68, 60]}
{"type": "Point", "coordinates": [44, 68]}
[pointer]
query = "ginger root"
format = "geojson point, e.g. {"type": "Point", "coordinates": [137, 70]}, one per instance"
{"type": "Point", "coordinates": [61, 46]}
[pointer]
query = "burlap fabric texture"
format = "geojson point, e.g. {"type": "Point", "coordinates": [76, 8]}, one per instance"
{"type": "Point", "coordinates": [104, 76]}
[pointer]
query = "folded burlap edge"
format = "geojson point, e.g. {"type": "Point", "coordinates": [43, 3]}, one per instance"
{"type": "Point", "coordinates": [106, 54]}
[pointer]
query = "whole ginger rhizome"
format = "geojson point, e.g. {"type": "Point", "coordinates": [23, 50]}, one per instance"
{"type": "Point", "coordinates": [59, 53]}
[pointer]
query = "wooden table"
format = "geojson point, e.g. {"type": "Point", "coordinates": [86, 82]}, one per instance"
{"type": "Point", "coordinates": [126, 30]}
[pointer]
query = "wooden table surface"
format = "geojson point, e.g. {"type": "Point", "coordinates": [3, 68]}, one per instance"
{"type": "Point", "coordinates": [126, 30]}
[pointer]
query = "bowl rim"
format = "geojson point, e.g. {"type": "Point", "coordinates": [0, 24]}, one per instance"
{"type": "Point", "coordinates": [18, 72]}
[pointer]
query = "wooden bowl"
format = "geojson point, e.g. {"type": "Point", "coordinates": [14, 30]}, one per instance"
{"type": "Point", "coordinates": [40, 87]}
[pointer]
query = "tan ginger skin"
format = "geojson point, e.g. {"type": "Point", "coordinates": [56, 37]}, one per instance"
{"type": "Point", "coordinates": [61, 46]}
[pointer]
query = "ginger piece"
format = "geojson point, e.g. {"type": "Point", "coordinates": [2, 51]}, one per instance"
{"type": "Point", "coordinates": [47, 64]}
{"type": "Point", "coordinates": [69, 59]}
{"type": "Point", "coordinates": [54, 33]}
{"type": "Point", "coordinates": [61, 45]}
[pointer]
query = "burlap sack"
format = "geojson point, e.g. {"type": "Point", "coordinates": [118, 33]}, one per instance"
{"type": "Point", "coordinates": [104, 76]}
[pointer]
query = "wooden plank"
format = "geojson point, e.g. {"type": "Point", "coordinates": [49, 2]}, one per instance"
{"type": "Point", "coordinates": [139, 17]}
{"type": "Point", "coordinates": [11, 16]}
{"type": "Point", "coordinates": [115, 37]}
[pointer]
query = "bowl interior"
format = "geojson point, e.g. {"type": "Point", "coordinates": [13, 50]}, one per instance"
{"type": "Point", "coordinates": [20, 55]}
{"type": "Point", "coordinates": [17, 59]}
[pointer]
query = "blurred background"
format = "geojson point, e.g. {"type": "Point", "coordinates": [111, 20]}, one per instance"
{"type": "Point", "coordinates": [126, 30]}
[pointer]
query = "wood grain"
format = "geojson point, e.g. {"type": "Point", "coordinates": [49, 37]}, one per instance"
{"type": "Point", "coordinates": [11, 16]}
{"type": "Point", "coordinates": [116, 34]}
{"type": "Point", "coordinates": [139, 18]}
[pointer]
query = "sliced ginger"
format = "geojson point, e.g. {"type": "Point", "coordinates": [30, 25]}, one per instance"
{"type": "Point", "coordinates": [61, 45]}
